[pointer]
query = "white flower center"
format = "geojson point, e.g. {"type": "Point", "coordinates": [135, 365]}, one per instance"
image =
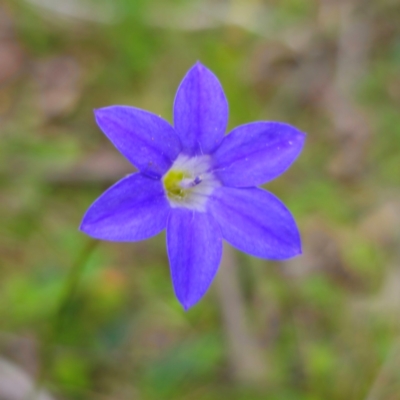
{"type": "Point", "coordinates": [189, 182]}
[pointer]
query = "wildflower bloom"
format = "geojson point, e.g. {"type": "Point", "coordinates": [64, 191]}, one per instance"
{"type": "Point", "coordinates": [197, 183]}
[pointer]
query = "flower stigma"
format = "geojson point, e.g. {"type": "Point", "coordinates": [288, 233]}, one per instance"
{"type": "Point", "coordinates": [189, 182]}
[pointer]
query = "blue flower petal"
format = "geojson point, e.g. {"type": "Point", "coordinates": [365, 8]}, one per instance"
{"type": "Point", "coordinates": [200, 111]}
{"type": "Point", "coordinates": [256, 153]}
{"type": "Point", "coordinates": [135, 208]}
{"type": "Point", "coordinates": [146, 140]}
{"type": "Point", "coordinates": [256, 222]}
{"type": "Point", "coordinates": [194, 248]}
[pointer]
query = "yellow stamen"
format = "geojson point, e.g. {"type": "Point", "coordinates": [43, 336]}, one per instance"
{"type": "Point", "coordinates": [172, 182]}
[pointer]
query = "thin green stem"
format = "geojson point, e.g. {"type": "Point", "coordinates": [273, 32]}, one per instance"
{"type": "Point", "coordinates": [68, 293]}
{"type": "Point", "coordinates": [71, 285]}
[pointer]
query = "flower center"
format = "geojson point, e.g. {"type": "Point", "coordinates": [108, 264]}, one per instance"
{"type": "Point", "coordinates": [189, 182]}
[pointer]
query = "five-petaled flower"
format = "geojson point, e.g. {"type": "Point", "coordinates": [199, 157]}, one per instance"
{"type": "Point", "coordinates": [198, 183]}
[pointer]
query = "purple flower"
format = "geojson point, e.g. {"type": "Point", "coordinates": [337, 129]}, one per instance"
{"type": "Point", "coordinates": [197, 183]}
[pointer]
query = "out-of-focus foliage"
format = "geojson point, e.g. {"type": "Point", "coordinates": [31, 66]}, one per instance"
{"type": "Point", "coordinates": [326, 324]}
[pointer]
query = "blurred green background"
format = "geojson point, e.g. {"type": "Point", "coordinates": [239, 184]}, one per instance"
{"type": "Point", "coordinates": [322, 326]}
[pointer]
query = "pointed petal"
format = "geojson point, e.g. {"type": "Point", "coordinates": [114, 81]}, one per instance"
{"type": "Point", "coordinates": [135, 208]}
{"type": "Point", "coordinates": [200, 111]}
{"type": "Point", "coordinates": [146, 140]}
{"type": "Point", "coordinates": [256, 153]}
{"type": "Point", "coordinates": [194, 248]}
{"type": "Point", "coordinates": [256, 222]}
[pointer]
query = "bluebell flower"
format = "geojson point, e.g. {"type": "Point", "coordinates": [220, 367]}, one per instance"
{"type": "Point", "coordinates": [197, 183]}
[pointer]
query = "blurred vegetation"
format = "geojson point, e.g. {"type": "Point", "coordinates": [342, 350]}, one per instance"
{"type": "Point", "coordinates": [325, 325]}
